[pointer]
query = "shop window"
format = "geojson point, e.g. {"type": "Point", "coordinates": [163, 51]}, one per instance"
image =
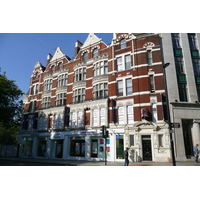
{"type": "Point", "coordinates": [57, 148]}
{"type": "Point", "coordinates": [26, 147]}
{"type": "Point", "coordinates": [77, 146]}
{"type": "Point", "coordinates": [94, 148]}
{"type": "Point", "coordinates": [41, 147]}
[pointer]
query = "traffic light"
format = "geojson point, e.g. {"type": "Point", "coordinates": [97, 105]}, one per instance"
{"type": "Point", "coordinates": [103, 131]}
{"type": "Point", "coordinates": [107, 134]}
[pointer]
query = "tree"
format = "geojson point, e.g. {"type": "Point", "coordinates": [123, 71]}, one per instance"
{"type": "Point", "coordinates": [10, 104]}
{"type": "Point", "coordinates": [10, 109]}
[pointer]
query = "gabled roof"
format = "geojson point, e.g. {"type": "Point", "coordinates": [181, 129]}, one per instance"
{"type": "Point", "coordinates": [58, 54]}
{"type": "Point", "coordinates": [91, 39]}
{"type": "Point", "coordinates": [38, 64]}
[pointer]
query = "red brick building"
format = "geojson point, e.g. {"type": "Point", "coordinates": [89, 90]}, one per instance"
{"type": "Point", "coordinates": [119, 85]}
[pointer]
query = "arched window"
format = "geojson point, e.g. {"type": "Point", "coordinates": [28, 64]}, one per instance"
{"type": "Point", "coordinates": [59, 65]}
{"type": "Point", "coordinates": [95, 52]}
{"type": "Point", "coordinates": [52, 69]}
{"type": "Point", "coordinates": [123, 43]}
{"type": "Point", "coordinates": [85, 56]}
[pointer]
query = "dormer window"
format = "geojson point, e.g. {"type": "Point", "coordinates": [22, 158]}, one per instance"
{"type": "Point", "coordinates": [52, 68]}
{"type": "Point", "coordinates": [95, 52]}
{"type": "Point", "coordinates": [59, 65]}
{"type": "Point", "coordinates": [122, 43]}
{"type": "Point", "coordinates": [85, 56]}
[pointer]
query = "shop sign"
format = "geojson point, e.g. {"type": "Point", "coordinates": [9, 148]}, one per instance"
{"type": "Point", "coordinates": [57, 135]}
{"type": "Point", "coordinates": [85, 132]}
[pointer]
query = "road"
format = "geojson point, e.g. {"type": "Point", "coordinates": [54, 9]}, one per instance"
{"type": "Point", "coordinates": [26, 163]}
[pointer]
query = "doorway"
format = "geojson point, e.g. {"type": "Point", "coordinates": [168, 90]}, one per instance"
{"type": "Point", "coordinates": [119, 146]}
{"type": "Point", "coordinates": [146, 148]}
{"type": "Point", "coordinates": [187, 125]}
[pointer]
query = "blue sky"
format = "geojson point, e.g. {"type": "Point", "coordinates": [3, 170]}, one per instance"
{"type": "Point", "coordinates": [19, 52]}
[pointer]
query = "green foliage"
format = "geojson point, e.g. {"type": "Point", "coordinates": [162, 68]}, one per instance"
{"type": "Point", "coordinates": [10, 110]}
{"type": "Point", "coordinates": [10, 105]}
{"type": "Point", "coordinates": [8, 135]}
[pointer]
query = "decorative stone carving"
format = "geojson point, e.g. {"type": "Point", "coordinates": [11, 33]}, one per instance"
{"type": "Point", "coordinates": [148, 44]}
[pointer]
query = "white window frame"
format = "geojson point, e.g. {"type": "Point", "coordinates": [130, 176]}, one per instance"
{"type": "Point", "coordinates": [62, 80]}
{"type": "Point", "coordinates": [125, 115]}
{"type": "Point", "coordinates": [95, 118]}
{"type": "Point", "coordinates": [124, 86]}
{"type": "Point", "coordinates": [121, 66]}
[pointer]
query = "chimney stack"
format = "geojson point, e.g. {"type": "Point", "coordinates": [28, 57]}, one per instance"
{"type": "Point", "coordinates": [78, 45]}
{"type": "Point", "coordinates": [49, 57]}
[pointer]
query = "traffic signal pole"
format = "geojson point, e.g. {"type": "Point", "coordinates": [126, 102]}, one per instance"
{"type": "Point", "coordinates": [104, 133]}
{"type": "Point", "coordinates": [105, 151]}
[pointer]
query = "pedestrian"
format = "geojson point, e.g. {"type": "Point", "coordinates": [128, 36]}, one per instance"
{"type": "Point", "coordinates": [196, 152]}
{"type": "Point", "coordinates": [126, 162]}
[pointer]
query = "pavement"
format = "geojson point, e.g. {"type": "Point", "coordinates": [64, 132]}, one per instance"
{"type": "Point", "coordinates": [62, 162]}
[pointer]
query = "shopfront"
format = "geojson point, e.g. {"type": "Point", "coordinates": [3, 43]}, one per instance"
{"type": "Point", "coordinates": [57, 148]}
{"type": "Point", "coordinates": [77, 146]}
{"type": "Point", "coordinates": [98, 147]}
{"type": "Point", "coordinates": [26, 146]}
{"type": "Point", "coordinates": [42, 144]}
{"type": "Point", "coordinates": [119, 147]}
{"type": "Point", "coordinates": [57, 142]}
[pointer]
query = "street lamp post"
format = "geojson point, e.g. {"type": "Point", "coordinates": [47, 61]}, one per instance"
{"type": "Point", "coordinates": [168, 115]}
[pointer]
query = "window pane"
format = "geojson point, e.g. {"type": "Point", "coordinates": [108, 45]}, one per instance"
{"type": "Point", "coordinates": [129, 86]}
{"type": "Point", "coordinates": [105, 70]}
{"type": "Point", "coordinates": [149, 57]}
{"type": "Point", "coordinates": [85, 56]}
{"type": "Point", "coordinates": [127, 62]}
{"type": "Point", "coordinates": [120, 88]}
{"type": "Point", "coordinates": [119, 64]}
{"type": "Point", "coordinates": [122, 43]}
